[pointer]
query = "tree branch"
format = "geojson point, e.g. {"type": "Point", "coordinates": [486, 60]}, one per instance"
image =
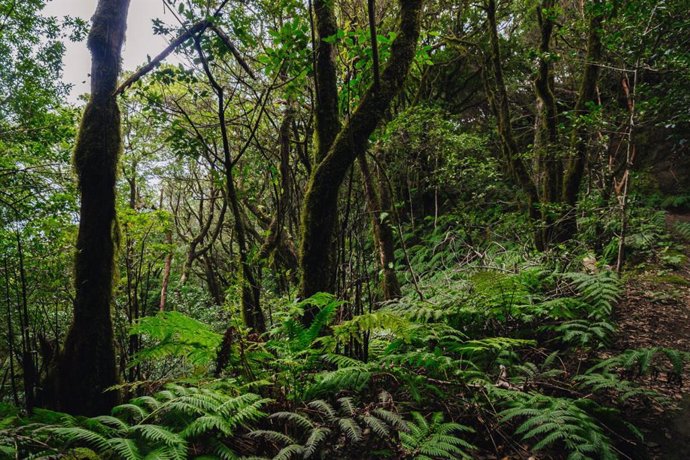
{"type": "Point", "coordinates": [197, 28]}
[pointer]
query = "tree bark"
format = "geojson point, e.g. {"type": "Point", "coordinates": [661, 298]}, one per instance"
{"type": "Point", "coordinates": [87, 365]}
{"type": "Point", "coordinates": [548, 152]}
{"type": "Point", "coordinates": [499, 102]}
{"type": "Point", "coordinates": [321, 200]}
{"type": "Point", "coordinates": [383, 235]}
{"type": "Point", "coordinates": [580, 134]}
{"type": "Point", "coordinates": [166, 271]}
{"type": "Point", "coordinates": [326, 121]}
{"type": "Point", "coordinates": [276, 232]}
{"type": "Point", "coordinates": [554, 192]}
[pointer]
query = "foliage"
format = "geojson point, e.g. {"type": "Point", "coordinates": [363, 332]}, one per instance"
{"type": "Point", "coordinates": [322, 429]}
{"type": "Point", "coordinates": [171, 424]}
{"type": "Point", "coordinates": [683, 229]}
{"type": "Point", "coordinates": [488, 334]}
{"type": "Point", "coordinates": [559, 421]}
{"type": "Point", "coordinates": [431, 439]}
{"type": "Point", "coordinates": [175, 334]}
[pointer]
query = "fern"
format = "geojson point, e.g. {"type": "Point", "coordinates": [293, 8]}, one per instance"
{"type": "Point", "coordinates": [350, 428]}
{"type": "Point", "coordinates": [134, 411]}
{"type": "Point", "coordinates": [300, 337]}
{"type": "Point", "coordinates": [126, 449]}
{"type": "Point", "coordinates": [176, 335]}
{"type": "Point", "coordinates": [584, 333]}
{"type": "Point", "coordinates": [163, 426]}
{"type": "Point", "coordinates": [600, 290]}
{"type": "Point", "coordinates": [315, 440]}
{"type": "Point", "coordinates": [435, 439]}
{"type": "Point", "coordinates": [611, 384]}
{"type": "Point", "coordinates": [288, 452]}
{"type": "Point", "coordinates": [353, 378]}
{"type": "Point", "coordinates": [378, 320]}
{"type": "Point", "coordinates": [81, 436]}
{"type": "Point", "coordinates": [325, 428]}
{"type": "Point", "coordinates": [489, 346]}
{"type": "Point", "coordinates": [683, 230]}
{"type": "Point", "coordinates": [273, 436]}
{"type": "Point", "coordinates": [501, 289]}
{"type": "Point", "coordinates": [556, 423]}
{"type": "Point", "coordinates": [643, 361]}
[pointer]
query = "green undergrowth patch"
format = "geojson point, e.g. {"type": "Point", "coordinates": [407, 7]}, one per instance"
{"type": "Point", "coordinates": [504, 346]}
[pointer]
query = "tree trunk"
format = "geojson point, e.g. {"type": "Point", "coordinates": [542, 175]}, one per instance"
{"type": "Point", "coordinates": [275, 242]}
{"type": "Point", "coordinates": [87, 365]}
{"type": "Point", "coordinates": [166, 271]}
{"type": "Point", "coordinates": [580, 134]}
{"type": "Point", "coordinates": [553, 188]}
{"type": "Point", "coordinates": [321, 200]}
{"type": "Point", "coordinates": [498, 100]}
{"type": "Point", "coordinates": [214, 287]}
{"type": "Point", "coordinates": [326, 121]}
{"type": "Point", "coordinates": [251, 308]}
{"type": "Point", "coordinates": [548, 151]}
{"type": "Point", "coordinates": [383, 235]}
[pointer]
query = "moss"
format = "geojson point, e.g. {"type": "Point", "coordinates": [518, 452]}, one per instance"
{"type": "Point", "coordinates": [674, 258]}
{"type": "Point", "coordinates": [81, 453]}
{"type": "Point", "coordinates": [669, 278]}
{"type": "Point", "coordinates": [326, 120]}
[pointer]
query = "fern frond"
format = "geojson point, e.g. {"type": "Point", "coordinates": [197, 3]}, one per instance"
{"type": "Point", "coordinates": [126, 449]}
{"type": "Point", "coordinates": [206, 424]}
{"type": "Point", "coordinates": [158, 434]}
{"type": "Point", "coordinates": [376, 425]}
{"type": "Point", "coordinates": [600, 290]}
{"type": "Point", "coordinates": [391, 418]}
{"type": "Point", "coordinates": [273, 436]}
{"type": "Point", "coordinates": [323, 407]}
{"type": "Point", "coordinates": [350, 428]}
{"type": "Point", "coordinates": [315, 439]}
{"type": "Point", "coordinates": [435, 439]}
{"type": "Point", "coordinates": [81, 436]}
{"type": "Point", "coordinates": [297, 419]}
{"type": "Point", "coordinates": [289, 452]}
{"type": "Point", "coordinates": [112, 422]}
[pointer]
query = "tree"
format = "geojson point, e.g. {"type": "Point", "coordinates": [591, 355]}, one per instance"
{"type": "Point", "coordinates": [87, 368]}
{"type": "Point", "coordinates": [553, 187]}
{"type": "Point", "coordinates": [321, 200]}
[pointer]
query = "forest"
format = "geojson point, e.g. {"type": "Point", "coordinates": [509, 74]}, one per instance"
{"type": "Point", "coordinates": [347, 229]}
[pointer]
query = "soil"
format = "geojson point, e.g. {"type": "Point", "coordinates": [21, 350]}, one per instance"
{"type": "Point", "coordinates": [655, 312]}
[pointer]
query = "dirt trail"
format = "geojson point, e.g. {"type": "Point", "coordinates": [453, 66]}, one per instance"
{"type": "Point", "coordinates": [655, 312]}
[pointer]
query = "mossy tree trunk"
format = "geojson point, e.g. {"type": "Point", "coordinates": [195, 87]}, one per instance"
{"type": "Point", "coordinates": [321, 200]}
{"type": "Point", "coordinates": [276, 238]}
{"type": "Point", "coordinates": [580, 135]}
{"type": "Point", "coordinates": [326, 119]}
{"type": "Point", "coordinates": [498, 100]}
{"type": "Point", "coordinates": [548, 152]}
{"type": "Point", "coordinates": [551, 191]}
{"type": "Point", "coordinates": [383, 234]}
{"type": "Point", "coordinates": [87, 368]}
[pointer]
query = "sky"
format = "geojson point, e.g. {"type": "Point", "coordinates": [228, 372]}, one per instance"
{"type": "Point", "coordinates": [140, 40]}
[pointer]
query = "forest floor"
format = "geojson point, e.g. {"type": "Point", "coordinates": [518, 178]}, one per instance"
{"type": "Point", "coordinates": [655, 312]}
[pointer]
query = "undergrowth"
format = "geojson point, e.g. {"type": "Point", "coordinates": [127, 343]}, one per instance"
{"type": "Point", "coordinates": [509, 345]}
